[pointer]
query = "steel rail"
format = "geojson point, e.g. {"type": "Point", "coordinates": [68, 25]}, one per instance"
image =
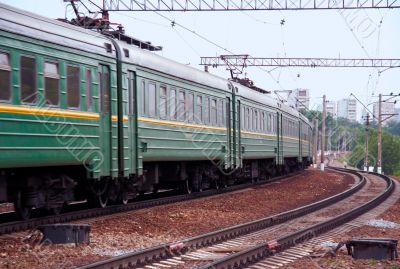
{"type": "Point", "coordinates": [146, 256]}
{"type": "Point", "coordinates": [261, 251]}
{"type": "Point", "coordinates": [17, 226]}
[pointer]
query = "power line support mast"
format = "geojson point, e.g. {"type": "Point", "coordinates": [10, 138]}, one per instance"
{"type": "Point", "coordinates": [323, 132]}
{"type": "Point", "coordinates": [379, 162]}
{"type": "Point", "coordinates": [366, 143]}
{"type": "Point", "coordinates": [235, 5]}
{"type": "Point", "coordinates": [315, 146]}
{"type": "Point", "coordinates": [380, 119]}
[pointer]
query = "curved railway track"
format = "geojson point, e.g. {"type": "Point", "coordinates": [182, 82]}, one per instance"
{"type": "Point", "coordinates": [17, 226]}
{"type": "Point", "coordinates": [370, 197]}
{"type": "Point", "coordinates": [240, 245]}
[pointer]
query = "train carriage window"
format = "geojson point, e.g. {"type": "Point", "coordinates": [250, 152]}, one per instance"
{"type": "Point", "coordinates": [143, 98]}
{"type": "Point", "coordinates": [271, 122]}
{"type": "Point", "coordinates": [255, 121]}
{"type": "Point", "coordinates": [248, 123]}
{"type": "Point", "coordinates": [207, 111]}
{"type": "Point", "coordinates": [5, 77]}
{"type": "Point", "coordinates": [199, 109]}
{"type": "Point", "coordinates": [189, 107]}
{"type": "Point", "coordinates": [248, 119]}
{"type": "Point", "coordinates": [73, 94]}
{"type": "Point", "coordinates": [152, 100]}
{"type": "Point", "coordinates": [283, 126]}
{"type": "Point", "coordinates": [181, 106]}
{"type": "Point", "coordinates": [220, 113]}
{"type": "Point", "coordinates": [51, 83]}
{"type": "Point", "coordinates": [88, 88]}
{"type": "Point", "coordinates": [262, 126]}
{"type": "Point", "coordinates": [241, 117]}
{"type": "Point", "coordinates": [28, 80]}
{"type": "Point", "coordinates": [172, 104]}
{"type": "Point", "coordinates": [163, 101]}
{"type": "Point", "coordinates": [104, 86]}
{"type": "Point", "coordinates": [213, 112]}
{"type": "Point", "coordinates": [251, 121]}
{"type": "Point", "coordinates": [286, 127]}
{"type": "Point", "coordinates": [293, 128]}
{"type": "Point", "coordinates": [244, 118]}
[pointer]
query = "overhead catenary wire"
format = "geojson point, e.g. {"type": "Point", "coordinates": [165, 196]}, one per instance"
{"type": "Point", "coordinates": [175, 23]}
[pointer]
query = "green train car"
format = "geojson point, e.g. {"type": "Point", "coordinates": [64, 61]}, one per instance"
{"type": "Point", "coordinates": [87, 116]}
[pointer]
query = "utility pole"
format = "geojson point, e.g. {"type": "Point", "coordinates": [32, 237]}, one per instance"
{"type": "Point", "coordinates": [323, 132]}
{"type": "Point", "coordinates": [366, 144]}
{"type": "Point", "coordinates": [379, 162]}
{"type": "Point", "coordinates": [315, 146]}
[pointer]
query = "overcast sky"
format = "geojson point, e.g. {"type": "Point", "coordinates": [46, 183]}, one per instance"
{"type": "Point", "coordinates": [333, 33]}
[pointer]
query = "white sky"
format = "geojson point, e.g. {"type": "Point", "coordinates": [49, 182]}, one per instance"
{"type": "Point", "coordinates": [363, 33]}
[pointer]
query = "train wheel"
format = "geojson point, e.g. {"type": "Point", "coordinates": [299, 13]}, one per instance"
{"type": "Point", "coordinates": [187, 186]}
{"type": "Point", "coordinates": [215, 184]}
{"type": "Point", "coordinates": [124, 199]}
{"type": "Point", "coordinates": [102, 199]}
{"type": "Point", "coordinates": [24, 212]}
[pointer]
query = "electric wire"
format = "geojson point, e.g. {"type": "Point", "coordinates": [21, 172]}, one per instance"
{"type": "Point", "coordinates": [175, 23]}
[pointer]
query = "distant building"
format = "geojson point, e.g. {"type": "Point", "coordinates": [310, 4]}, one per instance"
{"type": "Point", "coordinates": [330, 108]}
{"type": "Point", "coordinates": [397, 117]}
{"type": "Point", "coordinates": [347, 108]}
{"type": "Point", "coordinates": [300, 99]}
{"type": "Point", "coordinates": [387, 110]}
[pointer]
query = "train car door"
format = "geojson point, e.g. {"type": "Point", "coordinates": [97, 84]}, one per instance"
{"type": "Point", "coordinates": [105, 119]}
{"type": "Point", "coordinates": [234, 128]}
{"type": "Point", "coordinates": [237, 150]}
{"type": "Point", "coordinates": [133, 126]}
{"type": "Point", "coordinates": [300, 134]}
{"type": "Point", "coordinates": [279, 136]}
{"type": "Point", "coordinates": [229, 153]}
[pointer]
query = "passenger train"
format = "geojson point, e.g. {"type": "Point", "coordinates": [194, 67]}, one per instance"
{"type": "Point", "coordinates": [87, 116]}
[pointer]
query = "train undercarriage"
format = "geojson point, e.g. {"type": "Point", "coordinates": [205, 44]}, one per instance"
{"type": "Point", "coordinates": [52, 188]}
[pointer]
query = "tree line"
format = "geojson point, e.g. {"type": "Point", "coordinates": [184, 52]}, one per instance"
{"type": "Point", "coordinates": [341, 134]}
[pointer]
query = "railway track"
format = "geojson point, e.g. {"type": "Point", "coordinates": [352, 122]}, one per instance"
{"type": "Point", "coordinates": [218, 246]}
{"type": "Point", "coordinates": [313, 246]}
{"type": "Point", "coordinates": [285, 244]}
{"type": "Point", "coordinates": [18, 226]}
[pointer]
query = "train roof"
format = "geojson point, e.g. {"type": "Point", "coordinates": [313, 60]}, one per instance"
{"type": "Point", "coordinates": [159, 63]}
{"type": "Point", "coordinates": [303, 118]}
{"type": "Point", "coordinates": [57, 32]}
{"type": "Point", "coordinates": [251, 94]}
{"type": "Point", "coordinates": [32, 25]}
